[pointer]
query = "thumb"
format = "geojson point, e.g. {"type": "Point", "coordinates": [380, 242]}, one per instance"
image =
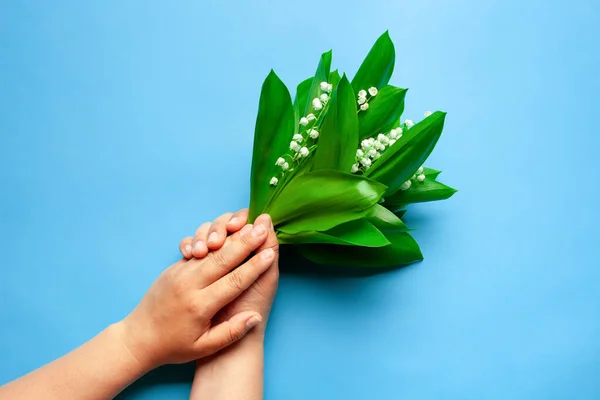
{"type": "Point", "coordinates": [227, 333]}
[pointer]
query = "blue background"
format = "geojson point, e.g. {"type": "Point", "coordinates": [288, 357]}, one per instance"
{"type": "Point", "coordinates": [124, 125]}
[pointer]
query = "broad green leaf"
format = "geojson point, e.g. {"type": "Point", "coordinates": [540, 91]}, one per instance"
{"type": "Point", "coordinates": [334, 78]}
{"type": "Point", "coordinates": [419, 192]}
{"type": "Point", "coordinates": [376, 70]}
{"type": "Point", "coordinates": [385, 220]}
{"type": "Point", "coordinates": [272, 134]}
{"type": "Point", "coordinates": [322, 75]}
{"type": "Point", "coordinates": [384, 112]}
{"type": "Point", "coordinates": [301, 99]}
{"type": "Point", "coordinates": [320, 200]}
{"type": "Point", "coordinates": [399, 162]}
{"type": "Point", "coordinates": [357, 233]}
{"type": "Point", "coordinates": [338, 140]}
{"type": "Point", "coordinates": [403, 250]}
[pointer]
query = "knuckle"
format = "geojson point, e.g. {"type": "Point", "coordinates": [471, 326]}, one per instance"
{"type": "Point", "coordinates": [236, 281]}
{"type": "Point", "coordinates": [220, 259]}
{"type": "Point", "coordinates": [196, 308]}
{"type": "Point", "coordinates": [179, 287]}
{"type": "Point", "coordinates": [234, 334]}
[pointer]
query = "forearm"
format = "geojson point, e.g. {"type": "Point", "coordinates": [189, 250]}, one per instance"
{"type": "Point", "coordinates": [98, 370]}
{"type": "Point", "coordinates": [236, 373]}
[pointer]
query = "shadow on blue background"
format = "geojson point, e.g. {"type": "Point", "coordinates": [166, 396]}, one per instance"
{"type": "Point", "coordinates": [125, 125]}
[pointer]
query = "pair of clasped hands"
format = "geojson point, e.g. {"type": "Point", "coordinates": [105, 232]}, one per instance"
{"type": "Point", "coordinates": [211, 306]}
{"type": "Point", "coordinates": [223, 287]}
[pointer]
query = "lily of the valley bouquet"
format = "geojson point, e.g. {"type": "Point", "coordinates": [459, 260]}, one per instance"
{"type": "Point", "coordinates": [336, 168]}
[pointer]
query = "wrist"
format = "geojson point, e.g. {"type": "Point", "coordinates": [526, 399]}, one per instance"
{"type": "Point", "coordinates": [131, 348]}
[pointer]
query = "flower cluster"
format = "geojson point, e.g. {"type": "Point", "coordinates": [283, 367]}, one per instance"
{"type": "Point", "coordinates": [372, 148]}
{"type": "Point", "coordinates": [418, 176]}
{"type": "Point", "coordinates": [364, 97]}
{"type": "Point", "coordinates": [300, 145]}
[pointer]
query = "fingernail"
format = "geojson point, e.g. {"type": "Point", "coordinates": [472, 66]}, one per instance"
{"type": "Point", "coordinates": [267, 254]}
{"type": "Point", "coordinates": [213, 237]}
{"type": "Point", "coordinates": [187, 250]}
{"type": "Point", "coordinates": [258, 230]}
{"type": "Point", "coordinates": [253, 321]}
{"type": "Point", "coordinates": [199, 246]}
{"type": "Point", "coordinates": [233, 220]}
{"type": "Point", "coordinates": [245, 230]}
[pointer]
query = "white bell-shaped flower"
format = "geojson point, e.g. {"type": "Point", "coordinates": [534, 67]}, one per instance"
{"type": "Point", "coordinates": [373, 91]}
{"type": "Point", "coordinates": [364, 107]}
{"type": "Point", "coordinates": [421, 178]}
{"type": "Point", "coordinates": [303, 121]}
{"type": "Point", "coordinates": [362, 93]}
{"type": "Point", "coordinates": [406, 185]}
{"type": "Point", "coordinates": [280, 161]}
{"type": "Point", "coordinates": [311, 117]}
{"type": "Point", "coordinates": [324, 98]}
{"type": "Point", "coordinates": [313, 133]}
{"type": "Point", "coordinates": [317, 105]}
{"type": "Point", "coordinates": [304, 152]}
{"type": "Point", "coordinates": [274, 181]}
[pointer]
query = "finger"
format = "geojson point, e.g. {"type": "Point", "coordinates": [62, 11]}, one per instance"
{"type": "Point", "coordinates": [237, 249]}
{"type": "Point", "coordinates": [226, 289]}
{"type": "Point", "coordinates": [271, 242]}
{"type": "Point", "coordinates": [185, 247]}
{"type": "Point", "coordinates": [226, 333]}
{"type": "Point", "coordinates": [238, 221]}
{"type": "Point", "coordinates": [218, 232]}
{"type": "Point", "coordinates": [199, 248]}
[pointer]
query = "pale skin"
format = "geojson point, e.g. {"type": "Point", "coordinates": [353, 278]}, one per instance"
{"type": "Point", "coordinates": [237, 372]}
{"type": "Point", "coordinates": [197, 309]}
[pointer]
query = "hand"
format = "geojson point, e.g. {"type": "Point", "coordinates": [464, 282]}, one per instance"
{"type": "Point", "coordinates": [211, 236]}
{"type": "Point", "coordinates": [178, 319]}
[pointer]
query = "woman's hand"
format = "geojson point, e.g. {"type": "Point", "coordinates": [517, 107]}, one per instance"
{"type": "Point", "coordinates": [179, 318]}
{"type": "Point", "coordinates": [236, 372]}
{"type": "Point", "coordinates": [211, 236]}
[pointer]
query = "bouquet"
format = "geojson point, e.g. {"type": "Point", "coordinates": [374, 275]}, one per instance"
{"type": "Point", "coordinates": [337, 167]}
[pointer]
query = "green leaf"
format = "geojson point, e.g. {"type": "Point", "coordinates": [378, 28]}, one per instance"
{"type": "Point", "coordinates": [403, 250]}
{"type": "Point", "coordinates": [301, 98]}
{"type": "Point", "coordinates": [399, 162]}
{"type": "Point", "coordinates": [272, 134]}
{"type": "Point", "coordinates": [431, 173]}
{"type": "Point", "coordinates": [338, 139]}
{"type": "Point", "coordinates": [384, 112]}
{"type": "Point", "coordinates": [376, 70]}
{"type": "Point", "coordinates": [320, 200]}
{"type": "Point", "coordinates": [334, 78]}
{"type": "Point", "coordinates": [357, 233]}
{"type": "Point", "coordinates": [385, 220]}
{"type": "Point", "coordinates": [322, 75]}
{"type": "Point", "coordinates": [419, 192]}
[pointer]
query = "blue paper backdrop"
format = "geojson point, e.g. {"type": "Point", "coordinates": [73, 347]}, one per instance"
{"type": "Point", "coordinates": [124, 125]}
